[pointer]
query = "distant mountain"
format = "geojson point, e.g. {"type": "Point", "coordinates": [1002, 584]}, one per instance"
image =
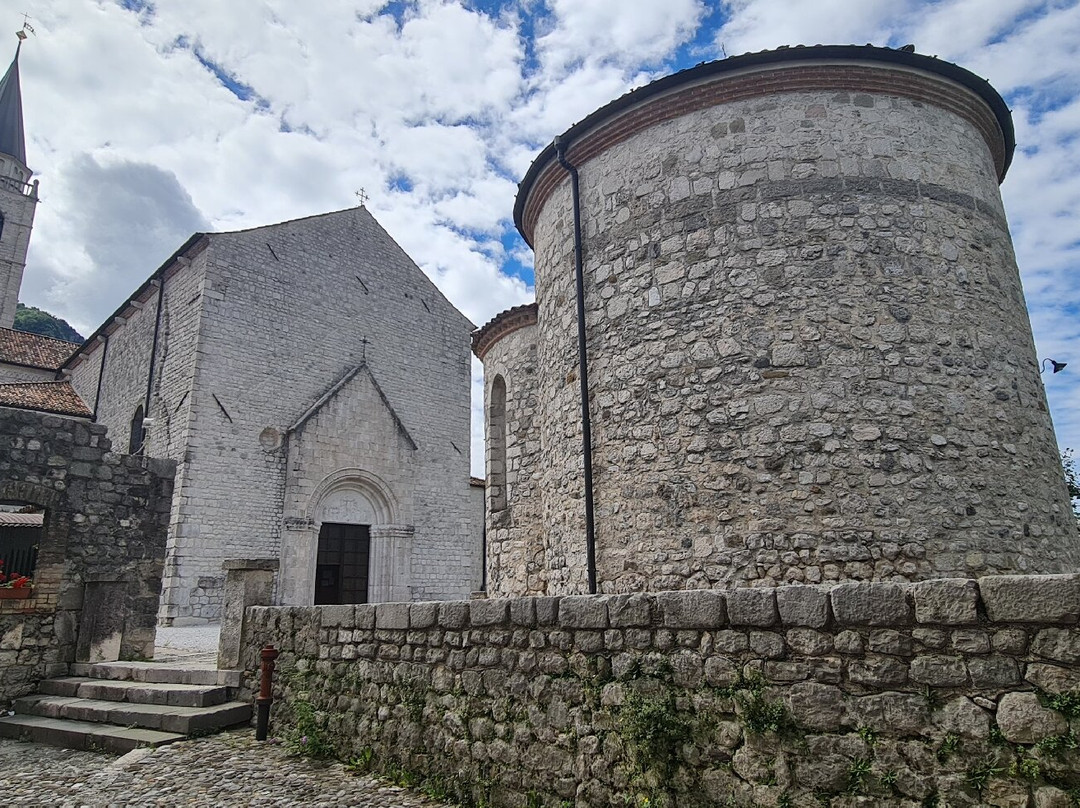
{"type": "Point", "coordinates": [36, 321]}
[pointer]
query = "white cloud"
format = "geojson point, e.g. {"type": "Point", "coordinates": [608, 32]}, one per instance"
{"type": "Point", "coordinates": [437, 113]}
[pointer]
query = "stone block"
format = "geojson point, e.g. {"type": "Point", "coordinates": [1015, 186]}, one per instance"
{"type": "Point", "coordinates": [939, 670]}
{"type": "Point", "coordinates": [816, 707]}
{"type": "Point", "coordinates": [752, 607]}
{"type": "Point", "coordinates": [698, 608]}
{"type": "Point", "coordinates": [364, 616]}
{"type": "Point", "coordinates": [993, 672]}
{"type": "Point", "coordinates": [1031, 598]}
{"type": "Point", "coordinates": [1058, 644]}
{"type": "Point", "coordinates": [423, 615]}
{"type": "Point", "coordinates": [1022, 719]}
{"type": "Point", "coordinates": [547, 611]}
{"type": "Point", "coordinates": [803, 606]}
{"type": "Point", "coordinates": [583, 611]}
{"type": "Point", "coordinates": [964, 718]}
{"type": "Point", "coordinates": [339, 616]}
{"type": "Point", "coordinates": [946, 601]}
{"type": "Point", "coordinates": [809, 642]}
{"type": "Point", "coordinates": [871, 604]}
{"type": "Point", "coordinates": [877, 671]}
{"type": "Point", "coordinates": [1052, 678]}
{"type": "Point", "coordinates": [453, 615]}
{"type": "Point", "coordinates": [1052, 797]}
{"type": "Point", "coordinates": [391, 616]}
{"type": "Point", "coordinates": [491, 612]}
{"type": "Point", "coordinates": [523, 612]}
{"type": "Point", "coordinates": [629, 611]}
{"type": "Point", "coordinates": [892, 714]}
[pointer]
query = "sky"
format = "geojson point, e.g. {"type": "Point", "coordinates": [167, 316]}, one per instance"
{"type": "Point", "coordinates": [148, 121]}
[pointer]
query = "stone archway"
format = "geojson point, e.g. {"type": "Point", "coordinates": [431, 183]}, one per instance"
{"type": "Point", "coordinates": [357, 497]}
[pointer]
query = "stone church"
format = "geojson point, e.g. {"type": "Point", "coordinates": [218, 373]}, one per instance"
{"type": "Point", "coordinates": [807, 350]}
{"type": "Point", "coordinates": [309, 379]}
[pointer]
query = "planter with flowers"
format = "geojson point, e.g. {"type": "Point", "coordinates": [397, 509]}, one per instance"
{"type": "Point", "coordinates": [13, 585]}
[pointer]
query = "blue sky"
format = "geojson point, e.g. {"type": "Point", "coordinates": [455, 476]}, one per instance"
{"type": "Point", "coordinates": [147, 120]}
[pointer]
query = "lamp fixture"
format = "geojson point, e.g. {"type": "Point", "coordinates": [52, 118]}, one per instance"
{"type": "Point", "coordinates": [1055, 366]}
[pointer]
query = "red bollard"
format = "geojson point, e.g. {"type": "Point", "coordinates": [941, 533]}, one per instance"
{"type": "Point", "coordinates": [266, 692]}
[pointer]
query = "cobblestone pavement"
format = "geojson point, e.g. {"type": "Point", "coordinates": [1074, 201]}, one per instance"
{"type": "Point", "coordinates": [230, 769]}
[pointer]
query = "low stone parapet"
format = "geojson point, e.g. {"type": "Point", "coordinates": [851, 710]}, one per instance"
{"type": "Point", "coordinates": [965, 692]}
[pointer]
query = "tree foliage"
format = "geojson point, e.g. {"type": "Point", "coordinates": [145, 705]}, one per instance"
{"type": "Point", "coordinates": [1071, 481]}
{"type": "Point", "coordinates": [36, 321]}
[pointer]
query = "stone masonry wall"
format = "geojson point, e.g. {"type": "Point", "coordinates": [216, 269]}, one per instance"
{"type": "Point", "coordinates": [18, 373]}
{"type": "Point", "coordinates": [256, 326]}
{"type": "Point", "coordinates": [518, 561]}
{"type": "Point", "coordinates": [810, 357]}
{"type": "Point", "coordinates": [126, 370]}
{"type": "Point", "coordinates": [290, 309]}
{"type": "Point", "coordinates": [945, 692]}
{"type": "Point", "coordinates": [17, 204]}
{"type": "Point", "coordinates": [106, 517]}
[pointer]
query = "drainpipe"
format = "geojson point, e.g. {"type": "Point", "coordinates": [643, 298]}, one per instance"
{"type": "Point", "coordinates": [583, 367]}
{"type": "Point", "coordinates": [101, 374]}
{"type": "Point", "coordinates": [147, 418]}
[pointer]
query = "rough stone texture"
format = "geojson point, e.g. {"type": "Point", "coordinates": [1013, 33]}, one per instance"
{"type": "Point", "coordinates": [782, 390]}
{"type": "Point", "coordinates": [948, 602]}
{"type": "Point", "coordinates": [234, 771]}
{"type": "Point", "coordinates": [18, 200]}
{"type": "Point", "coordinates": [532, 697]}
{"type": "Point", "coordinates": [803, 605]}
{"type": "Point", "coordinates": [1036, 599]}
{"type": "Point", "coordinates": [870, 604]}
{"type": "Point", "coordinates": [249, 583]}
{"type": "Point", "coordinates": [1023, 720]}
{"type": "Point", "coordinates": [369, 427]}
{"type": "Point", "coordinates": [106, 517]}
{"type": "Point", "coordinates": [518, 556]}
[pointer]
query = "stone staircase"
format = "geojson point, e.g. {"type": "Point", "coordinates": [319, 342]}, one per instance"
{"type": "Point", "coordinates": [119, 706]}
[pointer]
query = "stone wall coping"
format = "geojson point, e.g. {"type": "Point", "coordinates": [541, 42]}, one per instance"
{"type": "Point", "coordinates": [1044, 599]}
{"type": "Point", "coordinates": [250, 564]}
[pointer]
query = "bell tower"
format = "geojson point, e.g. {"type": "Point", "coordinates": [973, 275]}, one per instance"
{"type": "Point", "coordinates": [18, 196]}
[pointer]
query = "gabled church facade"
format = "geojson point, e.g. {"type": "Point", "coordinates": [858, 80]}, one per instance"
{"type": "Point", "coordinates": [313, 385]}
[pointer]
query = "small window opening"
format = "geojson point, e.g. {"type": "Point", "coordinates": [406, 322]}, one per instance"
{"type": "Point", "coordinates": [21, 528]}
{"type": "Point", "coordinates": [138, 433]}
{"type": "Point", "coordinates": [497, 445]}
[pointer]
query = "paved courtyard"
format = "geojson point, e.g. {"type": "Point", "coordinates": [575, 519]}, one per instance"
{"type": "Point", "coordinates": [231, 769]}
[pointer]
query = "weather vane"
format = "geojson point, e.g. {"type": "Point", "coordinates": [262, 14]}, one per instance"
{"type": "Point", "coordinates": [362, 196]}
{"type": "Point", "coordinates": [26, 26]}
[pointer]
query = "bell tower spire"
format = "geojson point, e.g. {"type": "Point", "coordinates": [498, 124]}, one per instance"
{"type": "Point", "coordinates": [18, 197]}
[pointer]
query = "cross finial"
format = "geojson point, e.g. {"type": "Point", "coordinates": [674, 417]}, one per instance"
{"type": "Point", "coordinates": [362, 196]}
{"type": "Point", "coordinates": [363, 349]}
{"type": "Point", "coordinates": [26, 26]}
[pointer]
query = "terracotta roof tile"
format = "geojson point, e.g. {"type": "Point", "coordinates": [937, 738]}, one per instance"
{"type": "Point", "coordinates": [501, 325]}
{"type": "Point", "coordinates": [24, 348]}
{"type": "Point", "coordinates": [55, 397]}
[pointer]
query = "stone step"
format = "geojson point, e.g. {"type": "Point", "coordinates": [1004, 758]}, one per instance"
{"type": "Point", "coordinates": [82, 734]}
{"type": "Point", "coordinates": [173, 695]}
{"type": "Point", "coordinates": [184, 720]}
{"type": "Point", "coordinates": [174, 673]}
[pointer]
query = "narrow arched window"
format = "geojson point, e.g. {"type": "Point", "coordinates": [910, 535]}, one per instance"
{"type": "Point", "coordinates": [1, 225]}
{"type": "Point", "coordinates": [497, 445]}
{"type": "Point", "coordinates": [138, 434]}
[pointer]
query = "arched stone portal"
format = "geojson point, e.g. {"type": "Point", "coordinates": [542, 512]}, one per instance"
{"type": "Point", "coordinates": [352, 516]}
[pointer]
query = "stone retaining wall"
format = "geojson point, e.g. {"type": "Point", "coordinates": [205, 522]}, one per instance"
{"type": "Point", "coordinates": [98, 575]}
{"type": "Point", "coordinates": [947, 692]}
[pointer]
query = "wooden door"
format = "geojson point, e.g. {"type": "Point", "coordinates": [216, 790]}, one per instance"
{"type": "Point", "coordinates": [341, 568]}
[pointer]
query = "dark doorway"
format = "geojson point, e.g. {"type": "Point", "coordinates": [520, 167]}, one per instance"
{"type": "Point", "coordinates": [341, 568]}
